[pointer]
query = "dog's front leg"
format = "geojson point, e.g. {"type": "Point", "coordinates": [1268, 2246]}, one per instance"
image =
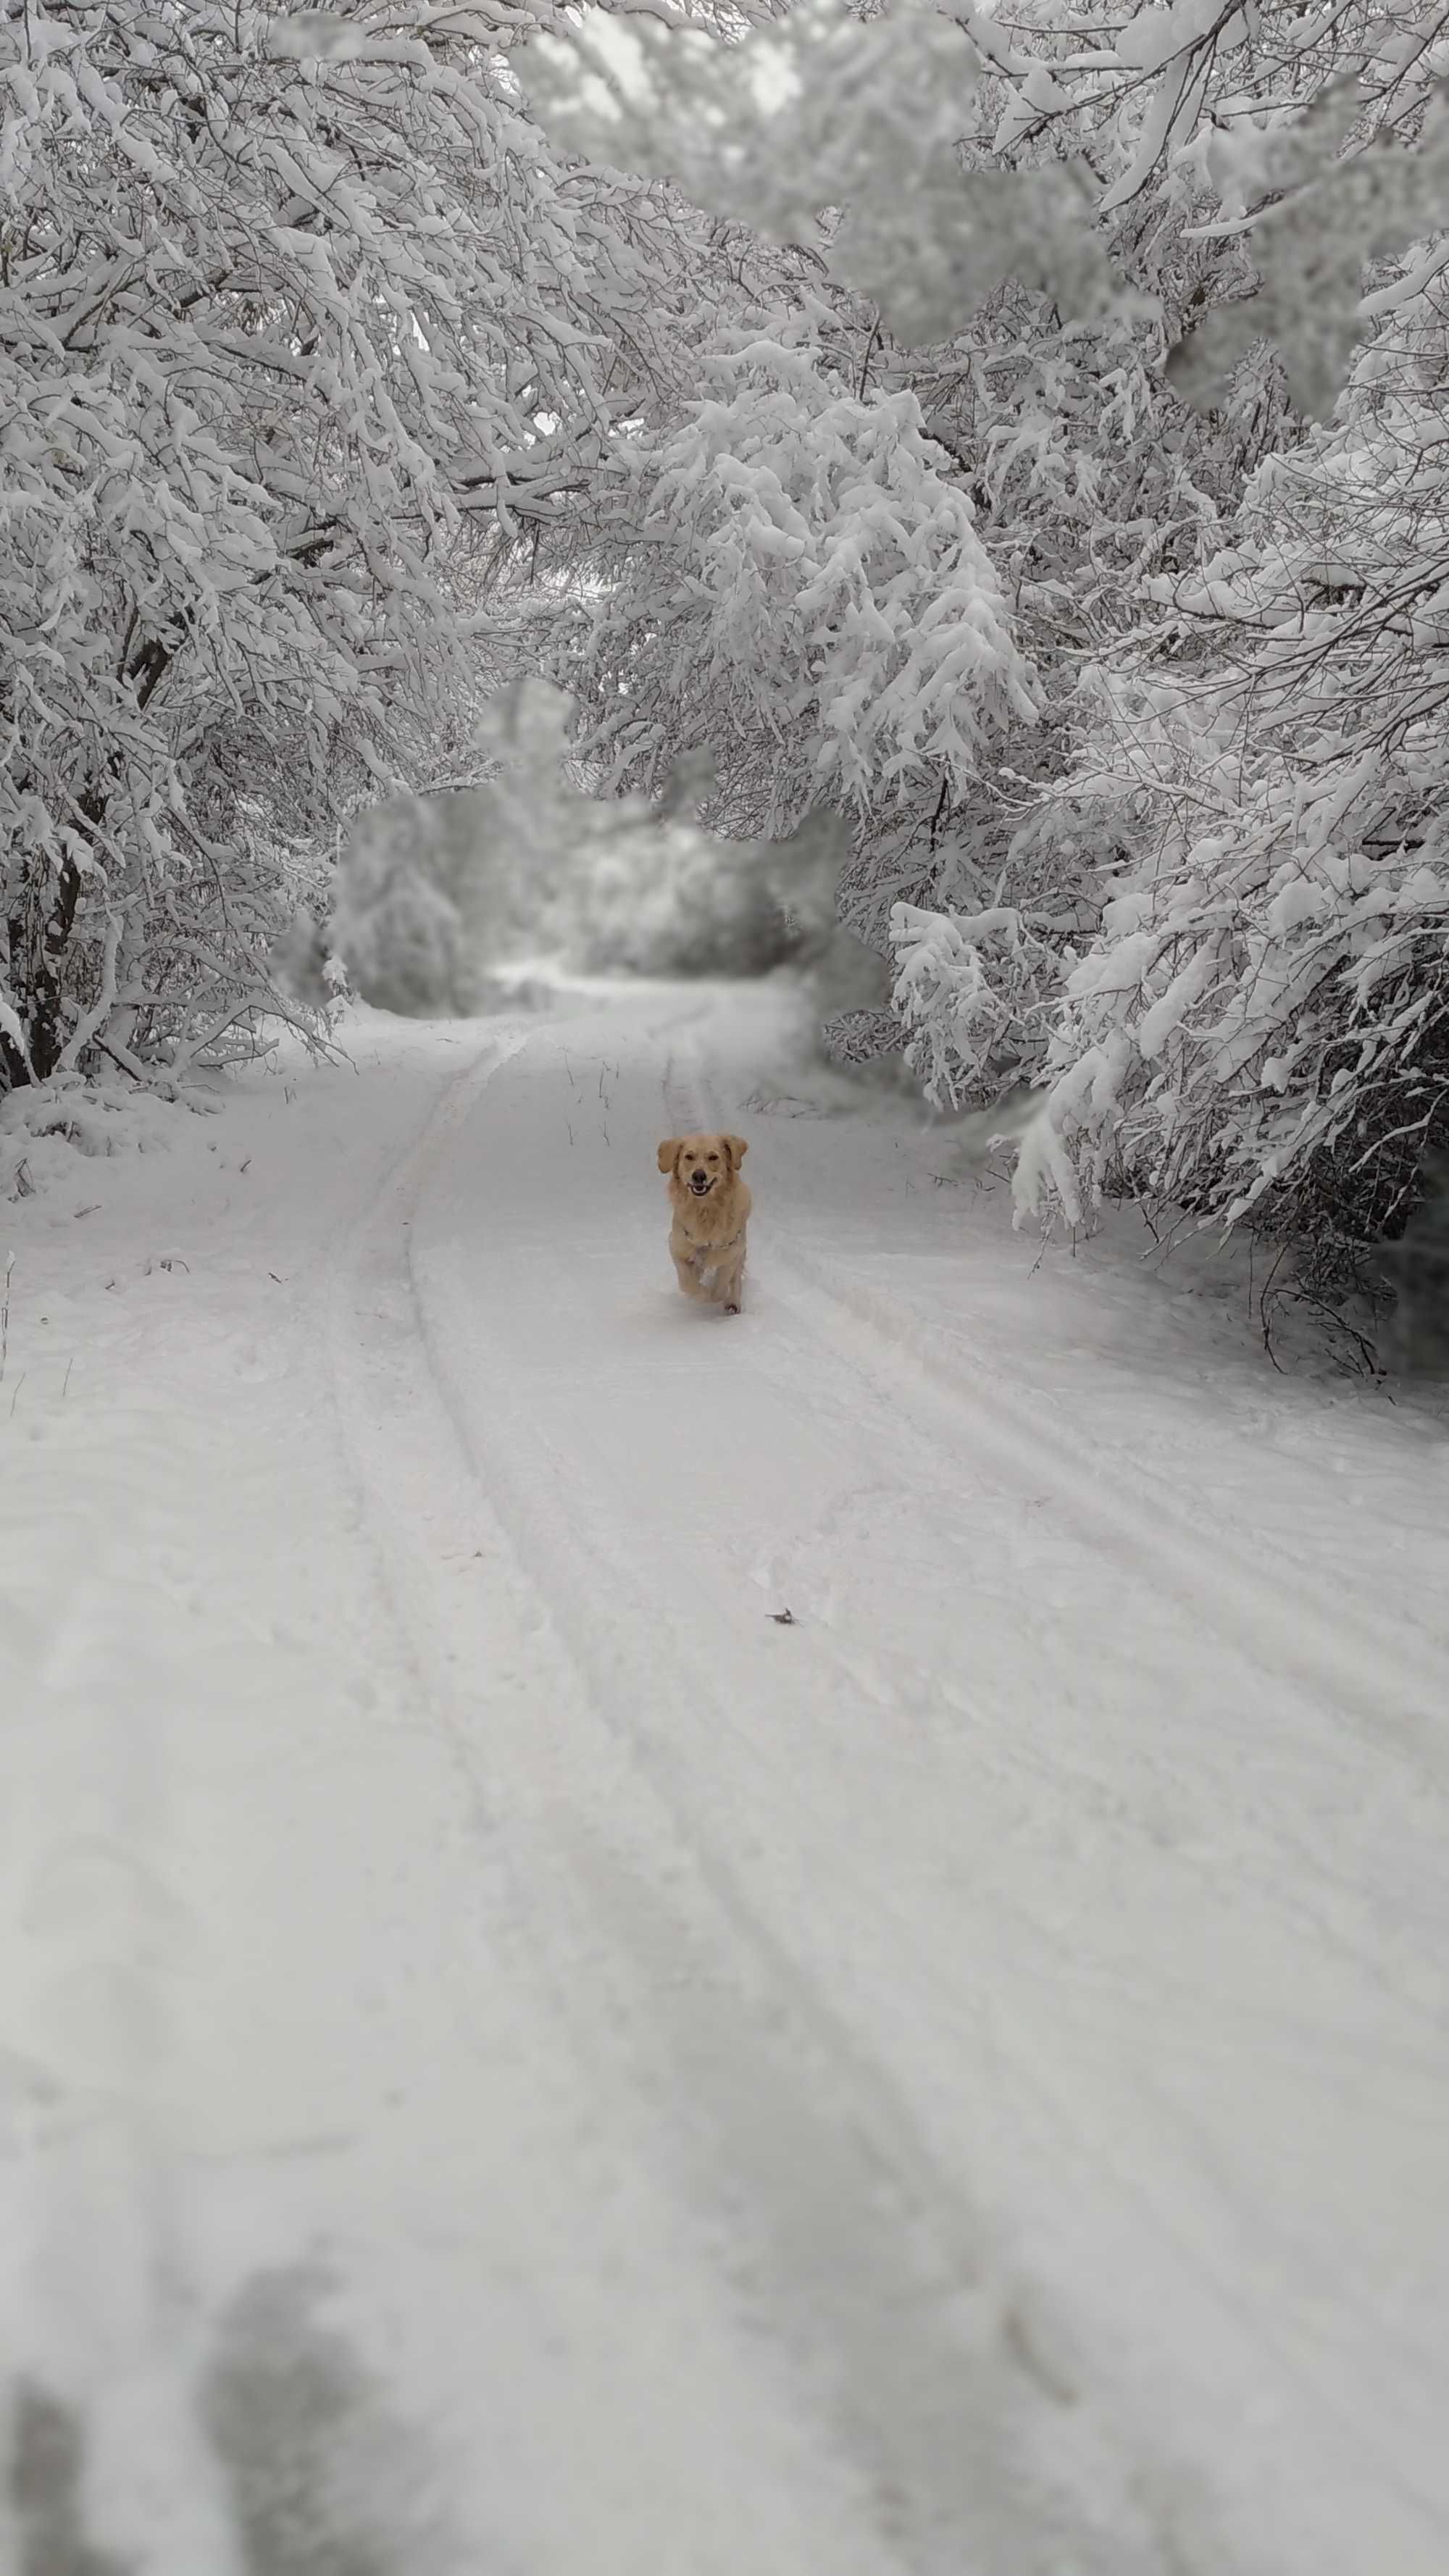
{"type": "Point", "coordinates": [686, 1273]}
{"type": "Point", "coordinates": [728, 1282]}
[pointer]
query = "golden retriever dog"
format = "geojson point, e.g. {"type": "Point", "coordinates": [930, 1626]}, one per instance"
{"type": "Point", "coordinates": [709, 1208]}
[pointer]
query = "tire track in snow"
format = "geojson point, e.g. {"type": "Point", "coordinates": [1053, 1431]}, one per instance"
{"type": "Point", "coordinates": [867, 1346]}
{"type": "Point", "coordinates": [830, 2227]}
{"type": "Point", "coordinates": [1333, 1652]}
{"type": "Point", "coordinates": [823, 1326]}
{"type": "Point", "coordinates": [566, 1836]}
{"type": "Point", "coordinates": [1264, 1837]}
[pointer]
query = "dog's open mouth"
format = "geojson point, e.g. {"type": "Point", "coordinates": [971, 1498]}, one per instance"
{"type": "Point", "coordinates": [700, 1184]}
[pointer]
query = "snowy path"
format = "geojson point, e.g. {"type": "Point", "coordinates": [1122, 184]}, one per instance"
{"type": "Point", "coordinates": [958, 2084]}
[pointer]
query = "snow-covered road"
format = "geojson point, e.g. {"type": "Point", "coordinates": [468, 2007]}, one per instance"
{"type": "Point", "coordinates": [512, 2059]}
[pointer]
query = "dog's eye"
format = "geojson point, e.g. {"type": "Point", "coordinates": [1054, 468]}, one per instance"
{"type": "Point", "coordinates": [713, 1158]}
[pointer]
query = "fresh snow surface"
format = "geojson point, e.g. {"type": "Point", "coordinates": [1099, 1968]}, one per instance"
{"type": "Point", "coordinates": [514, 2061]}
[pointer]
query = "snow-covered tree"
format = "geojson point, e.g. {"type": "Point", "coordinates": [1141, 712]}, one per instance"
{"type": "Point", "coordinates": [295, 310]}
{"type": "Point", "coordinates": [408, 919]}
{"type": "Point", "coordinates": [895, 145]}
{"type": "Point", "coordinates": [922, 430]}
{"type": "Point", "coordinates": [669, 899]}
{"type": "Point", "coordinates": [799, 586]}
{"type": "Point", "coordinates": [1201, 883]}
{"type": "Point", "coordinates": [1263, 1025]}
{"type": "Point", "coordinates": [433, 893]}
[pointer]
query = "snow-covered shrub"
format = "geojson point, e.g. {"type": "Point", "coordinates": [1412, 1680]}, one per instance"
{"type": "Point", "coordinates": [45, 1125]}
{"type": "Point", "coordinates": [1418, 1268]}
{"type": "Point", "coordinates": [861, 1036]}
{"type": "Point", "coordinates": [1262, 1028]}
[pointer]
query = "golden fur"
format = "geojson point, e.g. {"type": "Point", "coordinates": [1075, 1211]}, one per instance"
{"type": "Point", "coordinates": [707, 1229]}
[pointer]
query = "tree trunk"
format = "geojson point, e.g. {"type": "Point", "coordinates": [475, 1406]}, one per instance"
{"type": "Point", "coordinates": [40, 929]}
{"type": "Point", "coordinates": [40, 934]}
{"type": "Point", "coordinates": [14, 1071]}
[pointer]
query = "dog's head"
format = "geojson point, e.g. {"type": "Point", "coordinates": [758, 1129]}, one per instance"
{"type": "Point", "coordinates": [700, 1165]}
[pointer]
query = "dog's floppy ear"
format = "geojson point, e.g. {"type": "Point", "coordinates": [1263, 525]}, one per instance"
{"type": "Point", "coordinates": [736, 1148]}
{"type": "Point", "coordinates": [667, 1152]}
